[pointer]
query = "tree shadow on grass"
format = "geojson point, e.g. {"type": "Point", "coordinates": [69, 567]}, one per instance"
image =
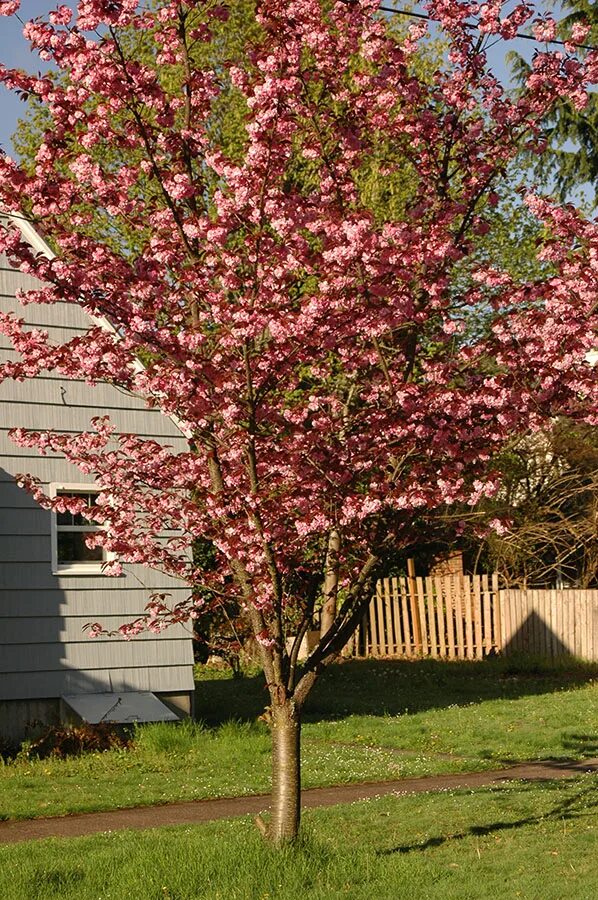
{"type": "Point", "coordinates": [397, 687]}
{"type": "Point", "coordinates": [575, 807]}
{"type": "Point", "coordinates": [581, 744]}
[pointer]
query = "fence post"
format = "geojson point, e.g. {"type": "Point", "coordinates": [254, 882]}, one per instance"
{"type": "Point", "coordinates": [417, 631]}
{"type": "Point", "coordinates": [496, 614]}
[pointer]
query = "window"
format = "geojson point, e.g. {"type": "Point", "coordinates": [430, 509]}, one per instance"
{"type": "Point", "coordinates": [70, 553]}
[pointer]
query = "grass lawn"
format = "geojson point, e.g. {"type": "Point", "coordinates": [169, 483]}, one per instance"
{"type": "Point", "coordinates": [365, 721]}
{"type": "Point", "coordinates": [529, 841]}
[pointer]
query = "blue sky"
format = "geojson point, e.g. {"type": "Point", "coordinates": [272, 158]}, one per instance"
{"type": "Point", "coordinates": [14, 52]}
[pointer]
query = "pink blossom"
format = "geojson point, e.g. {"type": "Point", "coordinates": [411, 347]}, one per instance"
{"type": "Point", "coordinates": [9, 7]}
{"type": "Point", "coordinates": [545, 30]}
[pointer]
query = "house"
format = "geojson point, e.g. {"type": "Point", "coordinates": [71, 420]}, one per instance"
{"type": "Point", "coordinates": [51, 584]}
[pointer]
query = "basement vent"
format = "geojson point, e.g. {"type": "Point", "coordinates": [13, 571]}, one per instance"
{"type": "Point", "coordinates": [131, 706]}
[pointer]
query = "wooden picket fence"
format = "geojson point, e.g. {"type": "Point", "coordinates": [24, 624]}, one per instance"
{"type": "Point", "coordinates": [550, 623]}
{"type": "Point", "coordinates": [452, 617]}
{"type": "Point", "coordinates": [468, 617]}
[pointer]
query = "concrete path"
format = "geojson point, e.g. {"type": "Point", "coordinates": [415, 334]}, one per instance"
{"type": "Point", "coordinates": [198, 811]}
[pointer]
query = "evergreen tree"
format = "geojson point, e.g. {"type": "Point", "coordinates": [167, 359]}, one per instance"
{"type": "Point", "coordinates": [571, 133]}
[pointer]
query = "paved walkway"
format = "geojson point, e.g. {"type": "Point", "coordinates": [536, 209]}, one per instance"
{"type": "Point", "coordinates": [198, 811]}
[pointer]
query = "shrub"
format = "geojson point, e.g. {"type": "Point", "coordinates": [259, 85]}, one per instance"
{"type": "Point", "coordinates": [63, 741]}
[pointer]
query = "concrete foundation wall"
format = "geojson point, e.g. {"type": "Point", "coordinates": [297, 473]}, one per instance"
{"type": "Point", "coordinates": [20, 719]}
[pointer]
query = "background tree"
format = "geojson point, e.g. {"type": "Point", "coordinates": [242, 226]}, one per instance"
{"type": "Point", "coordinates": [325, 361]}
{"type": "Point", "coordinates": [571, 133]}
{"type": "Point", "coordinates": [548, 506]}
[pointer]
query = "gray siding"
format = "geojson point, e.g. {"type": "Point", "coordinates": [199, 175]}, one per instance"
{"type": "Point", "coordinates": [43, 651]}
{"type": "Point", "coordinates": [74, 419]}
{"type": "Point", "coordinates": [91, 654]}
{"type": "Point", "coordinates": [57, 392]}
{"type": "Point", "coordinates": [135, 578]}
{"type": "Point", "coordinates": [48, 603]}
{"type": "Point", "coordinates": [29, 522]}
{"type": "Point", "coordinates": [56, 682]}
{"type": "Point", "coordinates": [22, 629]}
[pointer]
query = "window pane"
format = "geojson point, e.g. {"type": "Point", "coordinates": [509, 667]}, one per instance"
{"type": "Point", "coordinates": [72, 548]}
{"type": "Point", "coordinates": [79, 520]}
{"type": "Point", "coordinates": [67, 518]}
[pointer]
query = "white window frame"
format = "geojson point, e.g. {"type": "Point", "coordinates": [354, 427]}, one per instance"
{"type": "Point", "coordinates": [93, 567]}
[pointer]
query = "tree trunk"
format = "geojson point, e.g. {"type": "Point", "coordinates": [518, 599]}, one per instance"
{"type": "Point", "coordinates": [330, 582]}
{"type": "Point", "coordinates": [286, 776]}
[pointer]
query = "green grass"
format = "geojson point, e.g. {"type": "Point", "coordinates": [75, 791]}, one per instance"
{"type": "Point", "coordinates": [365, 721]}
{"type": "Point", "coordinates": [535, 842]}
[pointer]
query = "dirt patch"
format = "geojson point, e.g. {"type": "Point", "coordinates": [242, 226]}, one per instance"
{"type": "Point", "coordinates": [198, 811]}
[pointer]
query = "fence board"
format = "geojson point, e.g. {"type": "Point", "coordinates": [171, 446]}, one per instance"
{"type": "Point", "coordinates": [439, 604]}
{"type": "Point", "coordinates": [386, 626]}
{"type": "Point", "coordinates": [505, 605]}
{"type": "Point", "coordinates": [477, 617]}
{"type": "Point", "coordinates": [547, 634]}
{"type": "Point", "coordinates": [571, 612]}
{"type": "Point", "coordinates": [585, 644]}
{"type": "Point", "coordinates": [539, 625]}
{"type": "Point", "coordinates": [577, 607]}
{"type": "Point", "coordinates": [421, 603]}
{"type": "Point", "coordinates": [373, 630]}
{"type": "Point", "coordinates": [496, 615]}
{"type": "Point", "coordinates": [514, 618]}
{"type": "Point", "coordinates": [396, 590]}
{"type": "Point", "coordinates": [524, 607]}
{"type": "Point", "coordinates": [366, 634]}
{"type": "Point", "coordinates": [392, 648]}
{"type": "Point", "coordinates": [579, 623]}
{"type": "Point", "coordinates": [431, 617]}
{"type": "Point", "coordinates": [468, 616]}
{"type": "Point", "coordinates": [457, 591]}
{"type": "Point", "coordinates": [560, 630]}
{"type": "Point", "coordinates": [447, 589]}
{"type": "Point", "coordinates": [519, 611]}
{"type": "Point", "coordinates": [557, 622]}
{"type": "Point", "coordinates": [554, 618]}
{"type": "Point", "coordinates": [528, 612]}
{"type": "Point", "coordinates": [380, 613]}
{"type": "Point", "coordinates": [409, 646]}
{"type": "Point", "coordinates": [396, 615]}
{"type": "Point", "coordinates": [413, 605]}
{"type": "Point", "coordinates": [486, 621]}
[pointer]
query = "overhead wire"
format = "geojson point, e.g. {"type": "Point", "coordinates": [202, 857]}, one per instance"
{"type": "Point", "coordinates": [474, 27]}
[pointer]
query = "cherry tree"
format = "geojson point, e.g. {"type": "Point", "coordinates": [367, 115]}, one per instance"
{"type": "Point", "coordinates": [324, 359]}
